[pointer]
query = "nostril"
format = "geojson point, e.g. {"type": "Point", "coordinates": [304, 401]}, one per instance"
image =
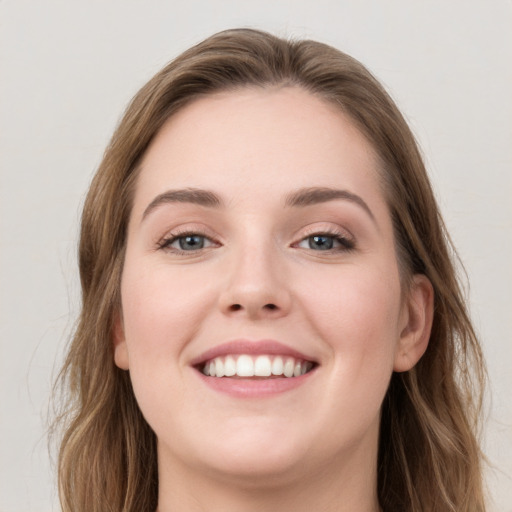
{"type": "Point", "coordinates": [238, 307]}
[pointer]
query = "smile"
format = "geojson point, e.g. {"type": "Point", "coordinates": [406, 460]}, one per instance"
{"type": "Point", "coordinates": [254, 368]}
{"type": "Point", "coordinates": [262, 366]}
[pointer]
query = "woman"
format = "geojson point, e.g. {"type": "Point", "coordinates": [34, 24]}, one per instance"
{"type": "Point", "coordinates": [271, 317]}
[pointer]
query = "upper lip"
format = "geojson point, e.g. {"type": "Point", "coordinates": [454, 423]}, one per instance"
{"type": "Point", "coordinates": [269, 347]}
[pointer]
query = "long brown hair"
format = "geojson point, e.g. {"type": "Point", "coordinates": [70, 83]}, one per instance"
{"type": "Point", "coordinates": [429, 457]}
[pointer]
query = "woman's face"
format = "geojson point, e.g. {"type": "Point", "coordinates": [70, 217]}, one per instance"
{"type": "Point", "coordinates": [260, 242]}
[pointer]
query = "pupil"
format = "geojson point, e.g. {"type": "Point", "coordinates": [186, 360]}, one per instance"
{"type": "Point", "coordinates": [323, 243]}
{"type": "Point", "coordinates": [190, 242]}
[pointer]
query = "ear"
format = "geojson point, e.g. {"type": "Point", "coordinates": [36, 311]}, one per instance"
{"type": "Point", "coordinates": [120, 348]}
{"type": "Point", "coordinates": [417, 315]}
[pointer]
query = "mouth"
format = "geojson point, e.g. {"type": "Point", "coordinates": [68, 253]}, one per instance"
{"type": "Point", "coordinates": [263, 366]}
{"type": "Point", "coordinates": [252, 369]}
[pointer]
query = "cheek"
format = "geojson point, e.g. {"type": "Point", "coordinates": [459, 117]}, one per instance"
{"type": "Point", "coordinates": [363, 299]}
{"type": "Point", "coordinates": [161, 309]}
{"type": "Point", "coordinates": [357, 314]}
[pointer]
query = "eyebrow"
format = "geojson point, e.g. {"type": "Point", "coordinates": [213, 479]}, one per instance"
{"type": "Point", "coordinates": [186, 195]}
{"type": "Point", "coordinates": [316, 195]}
{"type": "Point", "coordinates": [300, 198]}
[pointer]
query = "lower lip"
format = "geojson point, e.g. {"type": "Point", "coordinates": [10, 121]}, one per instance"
{"type": "Point", "coordinates": [248, 388]}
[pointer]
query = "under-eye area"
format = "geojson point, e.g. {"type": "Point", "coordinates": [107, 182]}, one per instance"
{"type": "Point", "coordinates": [258, 367]}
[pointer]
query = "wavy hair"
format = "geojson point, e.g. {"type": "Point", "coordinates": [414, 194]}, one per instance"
{"type": "Point", "coordinates": [429, 458]}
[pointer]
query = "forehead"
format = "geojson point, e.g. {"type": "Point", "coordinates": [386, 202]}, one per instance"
{"type": "Point", "coordinates": [261, 141]}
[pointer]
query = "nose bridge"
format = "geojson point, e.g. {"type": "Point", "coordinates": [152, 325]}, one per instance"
{"type": "Point", "coordinates": [255, 284]}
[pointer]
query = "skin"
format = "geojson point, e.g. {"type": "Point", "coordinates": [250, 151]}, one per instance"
{"type": "Point", "coordinates": [313, 447]}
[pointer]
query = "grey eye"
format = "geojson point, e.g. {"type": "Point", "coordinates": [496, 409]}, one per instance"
{"type": "Point", "coordinates": [326, 242]}
{"type": "Point", "coordinates": [320, 242]}
{"type": "Point", "coordinates": [187, 242]}
{"type": "Point", "coordinates": [190, 242]}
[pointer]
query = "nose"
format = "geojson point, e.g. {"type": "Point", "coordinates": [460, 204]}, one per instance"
{"type": "Point", "coordinates": [256, 286]}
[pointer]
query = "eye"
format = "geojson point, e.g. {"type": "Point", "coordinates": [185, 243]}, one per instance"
{"type": "Point", "coordinates": [326, 242]}
{"type": "Point", "coordinates": [186, 242]}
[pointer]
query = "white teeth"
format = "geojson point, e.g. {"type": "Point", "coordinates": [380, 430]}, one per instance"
{"type": "Point", "coordinates": [289, 366]}
{"type": "Point", "coordinates": [219, 367]}
{"type": "Point", "coordinates": [229, 366]}
{"type": "Point", "coordinates": [262, 366]}
{"type": "Point", "coordinates": [245, 366]}
{"type": "Point", "coordinates": [277, 366]}
{"type": "Point", "coordinates": [256, 366]}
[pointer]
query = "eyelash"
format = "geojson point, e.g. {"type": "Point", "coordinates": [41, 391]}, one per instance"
{"type": "Point", "coordinates": [165, 243]}
{"type": "Point", "coordinates": [346, 244]}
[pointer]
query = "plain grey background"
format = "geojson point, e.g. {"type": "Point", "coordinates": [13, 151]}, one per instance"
{"type": "Point", "coordinates": [67, 70]}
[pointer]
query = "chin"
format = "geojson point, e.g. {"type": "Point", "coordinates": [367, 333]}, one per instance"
{"type": "Point", "coordinates": [256, 456]}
